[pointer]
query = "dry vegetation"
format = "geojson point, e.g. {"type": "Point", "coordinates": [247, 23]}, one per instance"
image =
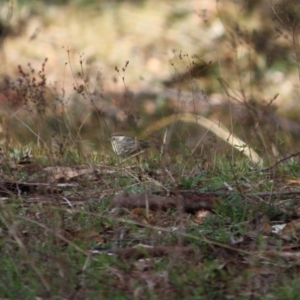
{"type": "Point", "coordinates": [211, 211]}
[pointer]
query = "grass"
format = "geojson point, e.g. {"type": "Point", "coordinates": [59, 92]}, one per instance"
{"type": "Point", "coordinates": [53, 248]}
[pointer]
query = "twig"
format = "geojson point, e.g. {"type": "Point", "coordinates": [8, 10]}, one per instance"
{"type": "Point", "coordinates": [280, 161]}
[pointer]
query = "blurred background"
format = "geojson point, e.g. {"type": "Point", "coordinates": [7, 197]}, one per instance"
{"type": "Point", "coordinates": [75, 72]}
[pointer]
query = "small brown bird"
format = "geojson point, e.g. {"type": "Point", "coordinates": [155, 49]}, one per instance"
{"type": "Point", "coordinates": [124, 145]}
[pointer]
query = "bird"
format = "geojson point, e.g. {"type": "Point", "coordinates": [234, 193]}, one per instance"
{"type": "Point", "coordinates": [125, 146]}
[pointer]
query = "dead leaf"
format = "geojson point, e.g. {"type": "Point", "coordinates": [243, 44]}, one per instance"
{"type": "Point", "coordinates": [291, 230]}
{"type": "Point", "coordinates": [201, 215]}
{"type": "Point", "coordinates": [65, 173]}
{"type": "Point", "coordinates": [90, 234]}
